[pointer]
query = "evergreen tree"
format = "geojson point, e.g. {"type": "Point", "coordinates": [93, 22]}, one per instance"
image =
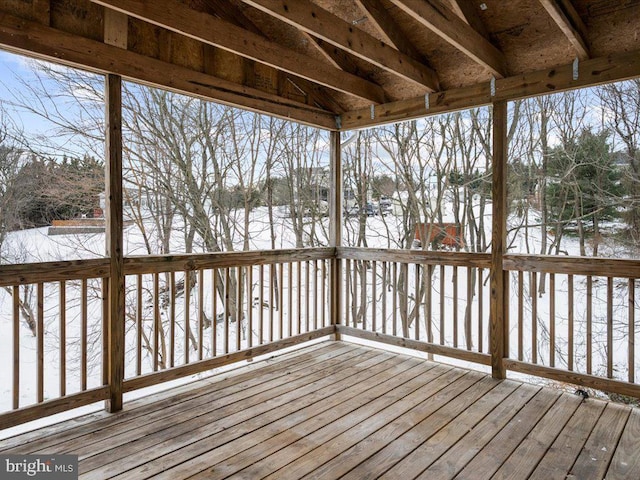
{"type": "Point", "coordinates": [583, 183]}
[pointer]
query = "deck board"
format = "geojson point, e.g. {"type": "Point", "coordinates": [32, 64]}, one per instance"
{"type": "Point", "coordinates": [339, 410]}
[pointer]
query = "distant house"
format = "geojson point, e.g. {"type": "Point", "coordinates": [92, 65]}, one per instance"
{"type": "Point", "coordinates": [439, 235]}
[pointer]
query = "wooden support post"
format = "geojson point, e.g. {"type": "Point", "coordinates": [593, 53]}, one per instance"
{"type": "Point", "coordinates": [498, 240]}
{"type": "Point", "coordinates": [335, 230]}
{"type": "Point", "coordinates": [114, 244]}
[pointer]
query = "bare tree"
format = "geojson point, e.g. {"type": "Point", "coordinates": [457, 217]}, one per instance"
{"type": "Point", "coordinates": [621, 112]}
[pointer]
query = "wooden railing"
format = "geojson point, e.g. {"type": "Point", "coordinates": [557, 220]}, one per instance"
{"type": "Point", "coordinates": [580, 331]}
{"type": "Point", "coordinates": [573, 319]}
{"type": "Point", "coordinates": [183, 314]}
{"type": "Point", "coordinates": [57, 312]}
{"type": "Point", "coordinates": [436, 302]}
{"type": "Point", "coordinates": [234, 306]}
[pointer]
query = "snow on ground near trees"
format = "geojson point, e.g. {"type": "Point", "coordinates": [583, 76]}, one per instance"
{"type": "Point", "coordinates": [36, 246]}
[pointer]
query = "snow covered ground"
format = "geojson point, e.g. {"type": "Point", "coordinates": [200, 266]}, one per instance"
{"type": "Point", "coordinates": [35, 246]}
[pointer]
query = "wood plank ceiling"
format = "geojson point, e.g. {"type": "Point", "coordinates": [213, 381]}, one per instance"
{"type": "Point", "coordinates": [337, 63]}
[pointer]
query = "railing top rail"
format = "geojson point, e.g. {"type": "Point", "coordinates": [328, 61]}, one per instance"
{"type": "Point", "coordinates": [190, 262]}
{"type": "Point", "coordinates": [458, 259]}
{"type": "Point", "coordinates": [605, 267]}
{"type": "Point", "coordinates": [26, 273]}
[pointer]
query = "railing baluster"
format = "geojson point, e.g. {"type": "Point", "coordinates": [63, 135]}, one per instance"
{"type": "Point", "coordinates": [172, 319]}
{"type": "Point", "coordinates": [442, 300]}
{"type": "Point", "coordinates": [290, 298]}
{"type": "Point", "coordinates": [83, 334]}
{"type": "Point", "coordinates": [610, 327]}
{"type": "Point", "coordinates": [307, 302]}
{"type": "Point", "coordinates": [261, 300]}
{"type": "Point", "coordinates": [589, 322]}
{"type": "Point", "coordinates": [63, 338]}
{"type": "Point", "coordinates": [552, 320]}
{"type": "Point", "coordinates": [249, 306]}
{"type": "Point", "coordinates": [418, 296]}
{"type": "Point", "coordinates": [156, 318]}
{"type": "Point", "coordinates": [16, 346]}
{"type": "Point", "coordinates": [454, 279]}
{"type": "Point", "coordinates": [271, 287]}
{"type": "Point", "coordinates": [506, 317]}
{"type": "Point", "coordinates": [347, 292]}
{"type": "Point", "coordinates": [226, 306]}
{"type": "Point", "coordinates": [428, 314]}
{"type": "Point", "coordinates": [281, 299]}
{"type": "Point", "coordinates": [324, 296]}
{"type": "Point", "coordinates": [315, 295]}
{"type": "Point", "coordinates": [214, 312]}
{"type": "Point", "coordinates": [374, 295]}
{"type": "Point", "coordinates": [200, 313]}
{"type": "Point", "coordinates": [239, 307]}
{"type": "Point", "coordinates": [404, 302]}
{"type": "Point", "coordinates": [299, 290]}
{"type": "Point", "coordinates": [105, 333]}
{"type": "Point", "coordinates": [570, 333]}
{"type": "Point", "coordinates": [139, 324]}
{"type": "Point", "coordinates": [467, 319]}
{"type": "Point", "coordinates": [631, 341]}
{"type": "Point", "coordinates": [480, 312]}
{"type": "Point", "coordinates": [40, 342]}
{"type": "Point", "coordinates": [187, 316]}
{"type": "Point", "coordinates": [534, 317]}
{"type": "Point", "coordinates": [520, 315]}
{"type": "Point", "coordinates": [395, 299]}
{"type": "Point", "coordinates": [384, 297]}
{"type": "Point", "coordinates": [356, 295]}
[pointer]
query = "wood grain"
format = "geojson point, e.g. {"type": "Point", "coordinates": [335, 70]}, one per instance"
{"type": "Point", "coordinates": [337, 409]}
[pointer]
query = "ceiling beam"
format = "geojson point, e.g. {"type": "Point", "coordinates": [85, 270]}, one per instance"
{"type": "Point", "coordinates": [467, 12]}
{"type": "Point", "coordinates": [440, 19]}
{"type": "Point", "coordinates": [317, 94]}
{"type": "Point", "coordinates": [565, 16]}
{"type": "Point", "coordinates": [321, 23]}
{"type": "Point", "coordinates": [389, 28]}
{"type": "Point", "coordinates": [177, 17]}
{"type": "Point", "coordinates": [591, 72]}
{"type": "Point", "coordinates": [33, 39]}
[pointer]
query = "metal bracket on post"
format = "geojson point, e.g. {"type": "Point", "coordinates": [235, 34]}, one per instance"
{"type": "Point", "coordinates": [338, 122]}
{"type": "Point", "coordinates": [492, 86]}
{"type": "Point", "coordinates": [576, 66]}
{"type": "Point", "coordinates": [426, 102]}
{"type": "Point", "coordinates": [373, 111]}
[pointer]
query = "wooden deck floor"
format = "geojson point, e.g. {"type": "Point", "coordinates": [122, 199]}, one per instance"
{"type": "Point", "coordinates": [336, 410]}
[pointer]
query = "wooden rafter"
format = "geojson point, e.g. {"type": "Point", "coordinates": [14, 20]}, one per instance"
{"type": "Point", "coordinates": [466, 11]}
{"type": "Point", "coordinates": [332, 29]}
{"type": "Point", "coordinates": [317, 94]}
{"type": "Point", "coordinates": [565, 16]}
{"type": "Point", "coordinates": [389, 29]}
{"type": "Point", "coordinates": [32, 38]}
{"type": "Point", "coordinates": [208, 29]}
{"type": "Point", "coordinates": [439, 18]}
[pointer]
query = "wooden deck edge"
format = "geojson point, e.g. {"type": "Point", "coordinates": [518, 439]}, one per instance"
{"type": "Point", "coordinates": [582, 379]}
{"type": "Point", "coordinates": [51, 407]}
{"type": "Point", "coordinates": [475, 357]}
{"type": "Point", "coordinates": [219, 361]}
